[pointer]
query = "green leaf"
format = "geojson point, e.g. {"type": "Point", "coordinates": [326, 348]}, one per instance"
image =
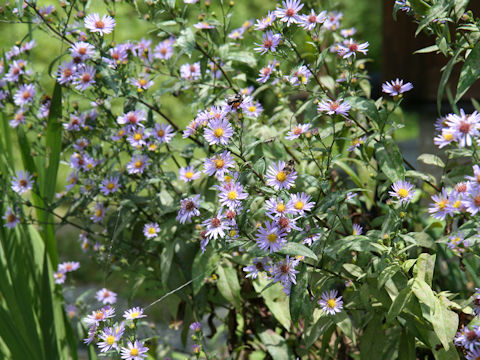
{"type": "Point", "coordinates": [390, 160]}
{"type": "Point", "coordinates": [427, 49]}
{"type": "Point", "coordinates": [445, 323]}
{"type": "Point", "coordinates": [399, 303]}
{"type": "Point", "coordinates": [276, 345]}
{"type": "Point", "coordinates": [386, 274]}
{"type": "Point", "coordinates": [424, 293]}
{"type": "Point", "coordinates": [445, 76]}
{"type": "Point", "coordinates": [437, 11]}
{"type": "Point", "coordinates": [406, 348]}
{"type": "Point", "coordinates": [424, 268]}
{"type": "Point", "coordinates": [200, 268]}
{"type": "Point", "coordinates": [186, 41]}
{"type": "Point", "coordinates": [243, 57]}
{"type": "Point", "coordinates": [373, 340]}
{"type": "Point", "coordinates": [366, 107]}
{"type": "Point", "coordinates": [470, 72]}
{"type": "Point", "coordinates": [228, 284]}
{"type": "Point", "coordinates": [299, 298]}
{"type": "Point", "coordinates": [275, 299]}
{"type": "Point", "coordinates": [294, 249]}
{"type": "Point", "coordinates": [324, 323]}
{"type": "Point", "coordinates": [430, 159]}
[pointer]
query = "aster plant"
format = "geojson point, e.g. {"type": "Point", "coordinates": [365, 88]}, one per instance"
{"type": "Point", "coordinates": [239, 170]}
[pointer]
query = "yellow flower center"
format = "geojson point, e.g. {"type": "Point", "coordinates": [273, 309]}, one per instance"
{"type": "Point", "coordinates": [331, 303]}
{"type": "Point", "coordinates": [232, 233]}
{"type": "Point", "coordinates": [137, 136]}
{"type": "Point", "coordinates": [456, 240]}
{"type": "Point", "coordinates": [218, 132]}
{"type": "Point", "coordinates": [442, 204]}
{"type": "Point", "coordinates": [189, 174]}
{"type": "Point", "coordinates": [457, 204]}
{"type": "Point", "coordinates": [232, 195]}
{"type": "Point", "coordinates": [135, 314]}
{"type": "Point", "coordinates": [299, 205]}
{"type": "Point", "coordinates": [227, 178]}
{"type": "Point", "coordinates": [448, 136]}
{"type": "Point", "coordinates": [219, 163]}
{"type": "Point", "coordinates": [110, 340]}
{"type": "Point", "coordinates": [272, 238]}
{"type": "Point", "coordinates": [403, 193]}
{"type": "Point", "coordinates": [281, 176]}
{"type": "Point", "coordinates": [151, 230]}
{"type": "Point", "coordinates": [59, 275]}
{"type": "Point", "coordinates": [281, 207]}
{"type": "Point", "coordinates": [142, 82]}
{"type": "Point", "coordinates": [354, 232]}
{"type": "Point", "coordinates": [99, 212]}
{"type": "Point", "coordinates": [134, 352]}
{"type": "Point", "coordinates": [110, 186]}
{"type": "Point", "coordinates": [252, 108]}
{"type": "Point", "coordinates": [161, 133]}
{"type": "Point", "coordinates": [138, 164]}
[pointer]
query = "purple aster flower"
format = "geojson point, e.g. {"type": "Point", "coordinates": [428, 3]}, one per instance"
{"type": "Point", "coordinates": [203, 25]}
{"type": "Point", "coordinates": [231, 195]}
{"type": "Point", "coordinates": [110, 336]}
{"type": "Point", "coordinates": [284, 271]}
{"type": "Point", "coordinates": [137, 137]}
{"type": "Point", "coordinates": [357, 230]}
{"type": "Point", "coordinates": [445, 138]}
{"type": "Point", "coordinates": [300, 76]}
{"type": "Point", "coordinates": [81, 51]}
{"type": "Point", "coordinates": [309, 21]}
{"type": "Point", "coordinates": [66, 72]}
{"type": "Point", "coordinates": [397, 87]}
{"type": "Point", "coordinates": [134, 351]}
{"type": "Point", "coordinates": [190, 71]}
{"type": "Point", "coordinates": [258, 264]}
{"type": "Point", "coordinates": [106, 296]}
{"type": "Point", "coordinates": [59, 277]}
{"type": "Point", "coordinates": [350, 48]}
{"type": "Point", "coordinates": [188, 173]}
{"type": "Point", "coordinates": [43, 110]}
{"type": "Point", "coordinates": [188, 209]}
{"type": "Point", "coordinates": [271, 237]}
{"type": "Point", "coordinates": [110, 185]}
{"type": "Point", "coordinates": [196, 348]}
{"type": "Point", "coordinates": [132, 118]}
{"type": "Point", "coordinates": [164, 49]}
{"type": "Point", "coordinates": [195, 326]}
{"type": "Point", "coordinates": [331, 107]}
{"type": "Point", "coordinates": [142, 83]}
{"type": "Point", "coordinates": [402, 190]}
{"type": "Point", "coordinates": [72, 180]}
{"type": "Point", "coordinates": [476, 302]}
{"type": "Point", "coordinates": [151, 230]}
{"type": "Point", "coordinates": [465, 127]}
{"type": "Point", "coordinates": [468, 338]}
{"type": "Point", "coordinates": [348, 32]}
{"type": "Point", "coordinates": [71, 310]}
{"type": "Point", "coordinates": [76, 123]}
{"type": "Point", "coordinates": [330, 303]}
{"type": "Point", "coordinates": [103, 25]}
{"type": "Point", "coordinates": [472, 201]}
{"type": "Point", "coordinates": [134, 313]}
{"type": "Point", "coordinates": [236, 34]}
{"type": "Point", "coordinates": [440, 207]}
{"type": "Point", "coordinates": [356, 143]}
{"type": "Point", "coordinates": [19, 118]}
{"type": "Point", "coordinates": [269, 43]}
{"type": "Point", "coordinates": [11, 220]}
{"type": "Point", "coordinates": [69, 266]}
{"type": "Point", "coordinates": [300, 202]}
{"type": "Point", "coordinates": [332, 22]}
{"type": "Point", "coordinates": [252, 109]}
{"type": "Point", "coordinates": [98, 316]}
{"type": "Point", "coordinates": [22, 182]}
{"type": "Point", "coordinates": [92, 331]}
{"type": "Point", "coordinates": [24, 95]}
{"type": "Point", "coordinates": [218, 131]}
{"type": "Point", "coordinates": [142, 50]}
{"type": "Point", "coordinates": [279, 177]}
{"type": "Point", "coordinates": [402, 4]}
{"type": "Point", "coordinates": [216, 226]}
{"type": "Point", "coordinates": [84, 77]}
{"type": "Point", "coordinates": [474, 354]}
{"type": "Point", "coordinates": [219, 164]}
{"type": "Point", "coordinates": [266, 71]}
{"type": "Point", "coordinates": [277, 208]}
{"type": "Point", "coordinates": [475, 179]}
{"type": "Point", "coordinates": [266, 22]}
{"type": "Point", "coordinates": [458, 243]}
{"type": "Point", "coordinates": [310, 239]}
{"type": "Point", "coordinates": [296, 131]}
{"type": "Point", "coordinates": [17, 69]}
{"type": "Point", "coordinates": [137, 164]}
{"type": "Point", "coordinates": [289, 12]}
{"type": "Point", "coordinates": [98, 213]}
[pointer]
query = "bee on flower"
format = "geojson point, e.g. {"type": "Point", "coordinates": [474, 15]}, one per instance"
{"type": "Point", "coordinates": [279, 177]}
